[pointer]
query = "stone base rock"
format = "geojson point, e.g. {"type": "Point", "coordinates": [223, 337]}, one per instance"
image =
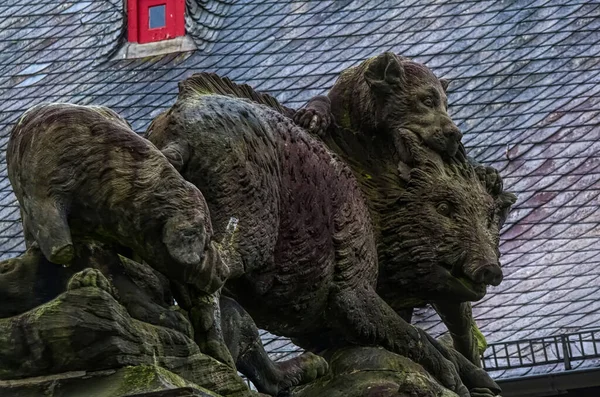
{"type": "Point", "coordinates": [86, 329]}
{"type": "Point", "coordinates": [143, 380]}
{"type": "Point", "coordinates": [372, 372]}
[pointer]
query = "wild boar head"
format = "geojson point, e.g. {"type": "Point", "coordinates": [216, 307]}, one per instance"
{"type": "Point", "coordinates": [441, 241]}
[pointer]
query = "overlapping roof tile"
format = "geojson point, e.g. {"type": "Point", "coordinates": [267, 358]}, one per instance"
{"type": "Point", "coordinates": [525, 90]}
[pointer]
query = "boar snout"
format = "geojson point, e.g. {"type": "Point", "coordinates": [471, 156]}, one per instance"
{"type": "Point", "coordinates": [452, 132]}
{"type": "Point", "coordinates": [488, 273]}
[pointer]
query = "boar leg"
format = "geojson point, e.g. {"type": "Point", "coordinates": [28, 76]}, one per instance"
{"type": "Point", "coordinates": [205, 315]}
{"type": "Point", "coordinates": [476, 379]}
{"type": "Point", "coordinates": [27, 233]}
{"type": "Point", "coordinates": [458, 318]}
{"type": "Point", "coordinates": [245, 345]}
{"type": "Point", "coordinates": [46, 222]}
{"type": "Point", "coordinates": [365, 319]}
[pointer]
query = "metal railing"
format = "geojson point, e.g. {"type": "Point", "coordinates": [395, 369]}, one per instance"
{"type": "Point", "coordinates": [568, 348]}
{"type": "Point", "coordinates": [556, 349]}
{"type": "Point", "coordinates": [565, 348]}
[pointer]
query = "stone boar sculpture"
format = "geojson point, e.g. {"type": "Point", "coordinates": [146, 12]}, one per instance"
{"type": "Point", "coordinates": [307, 258]}
{"type": "Point", "coordinates": [80, 172]}
{"type": "Point", "coordinates": [384, 116]}
{"type": "Point", "coordinates": [392, 114]}
{"type": "Point", "coordinates": [390, 98]}
{"type": "Point", "coordinates": [396, 109]}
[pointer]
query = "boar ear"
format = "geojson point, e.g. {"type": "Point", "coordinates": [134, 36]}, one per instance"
{"type": "Point", "coordinates": [384, 71]}
{"type": "Point", "coordinates": [184, 241]}
{"type": "Point", "coordinates": [504, 203]}
{"type": "Point", "coordinates": [445, 83]}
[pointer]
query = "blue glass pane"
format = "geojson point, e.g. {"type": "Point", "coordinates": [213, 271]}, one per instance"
{"type": "Point", "coordinates": [157, 17]}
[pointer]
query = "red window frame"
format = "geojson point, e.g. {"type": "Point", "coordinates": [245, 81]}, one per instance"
{"type": "Point", "coordinates": [138, 30]}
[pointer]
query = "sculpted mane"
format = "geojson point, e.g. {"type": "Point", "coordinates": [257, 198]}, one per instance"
{"type": "Point", "coordinates": [290, 195]}
{"type": "Point", "coordinates": [209, 83]}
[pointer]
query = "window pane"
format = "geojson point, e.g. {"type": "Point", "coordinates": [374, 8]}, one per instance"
{"type": "Point", "coordinates": [157, 17]}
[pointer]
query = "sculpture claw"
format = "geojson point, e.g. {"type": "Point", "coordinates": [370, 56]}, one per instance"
{"type": "Point", "coordinates": [91, 278]}
{"type": "Point", "coordinates": [303, 369]}
{"type": "Point", "coordinates": [312, 120]}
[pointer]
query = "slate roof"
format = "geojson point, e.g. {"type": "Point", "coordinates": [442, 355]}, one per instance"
{"type": "Point", "coordinates": [525, 89]}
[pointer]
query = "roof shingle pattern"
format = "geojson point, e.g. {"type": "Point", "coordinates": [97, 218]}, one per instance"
{"type": "Point", "coordinates": [525, 90]}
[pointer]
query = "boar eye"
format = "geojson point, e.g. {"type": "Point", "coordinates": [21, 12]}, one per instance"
{"type": "Point", "coordinates": [188, 233]}
{"type": "Point", "coordinates": [443, 208]}
{"type": "Point", "coordinates": [428, 102]}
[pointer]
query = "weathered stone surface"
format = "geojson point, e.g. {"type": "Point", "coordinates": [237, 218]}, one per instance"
{"type": "Point", "coordinates": [86, 329]}
{"type": "Point", "coordinates": [314, 231]}
{"type": "Point", "coordinates": [372, 372]}
{"type": "Point", "coordinates": [81, 172]}
{"type": "Point", "coordinates": [394, 100]}
{"type": "Point", "coordinates": [142, 380]}
{"type": "Point", "coordinates": [28, 281]}
{"type": "Point", "coordinates": [328, 249]}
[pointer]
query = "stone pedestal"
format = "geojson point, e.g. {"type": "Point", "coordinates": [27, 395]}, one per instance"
{"type": "Point", "coordinates": [85, 340]}
{"type": "Point", "coordinates": [143, 380]}
{"type": "Point", "coordinates": [372, 372]}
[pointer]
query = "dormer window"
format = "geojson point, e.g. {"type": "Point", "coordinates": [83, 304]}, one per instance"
{"type": "Point", "coordinates": [155, 27]}
{"type": "Point", "coordinates": [155, 20]}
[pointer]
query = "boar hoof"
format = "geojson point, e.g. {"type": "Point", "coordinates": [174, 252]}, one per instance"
{"type": "Point", "coordinates": [62, 255]}
{"type": "Point", "coordinates": [312, 121]}
{"type": "Point", "coordinates": [491, 179]}
{"type": "Point", "coordinates": [302, 369]}
{"type": "Point", "coordinates": [482, 392]}
{"type": "Point", "coordinates": [91, 278]}
{"type": "Point", "coordinates": [7, 266]}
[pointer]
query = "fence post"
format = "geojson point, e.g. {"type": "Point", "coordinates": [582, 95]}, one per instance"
{"type": "Point", "coordinates": [566, 355]}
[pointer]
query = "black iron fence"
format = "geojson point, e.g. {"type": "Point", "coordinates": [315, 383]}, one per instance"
{"type": "Point", "coordinates": [556, 349]}
{"type": "Point", "coordinates": [569, 349]}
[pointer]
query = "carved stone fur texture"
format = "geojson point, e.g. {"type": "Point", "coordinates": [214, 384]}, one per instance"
{"type": "Point", "coordinates": [306, 241]}
{"type": "Point", "coordinates": [386, 115]}
{"type": "Point", "coordinates": [391, 114]}
{"type": "Point", "coordinates": [397, 110]}
{"type": "Point", "coordinates": [392, 98]}
{"type": "Point", "coordinates": [80, 172]}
